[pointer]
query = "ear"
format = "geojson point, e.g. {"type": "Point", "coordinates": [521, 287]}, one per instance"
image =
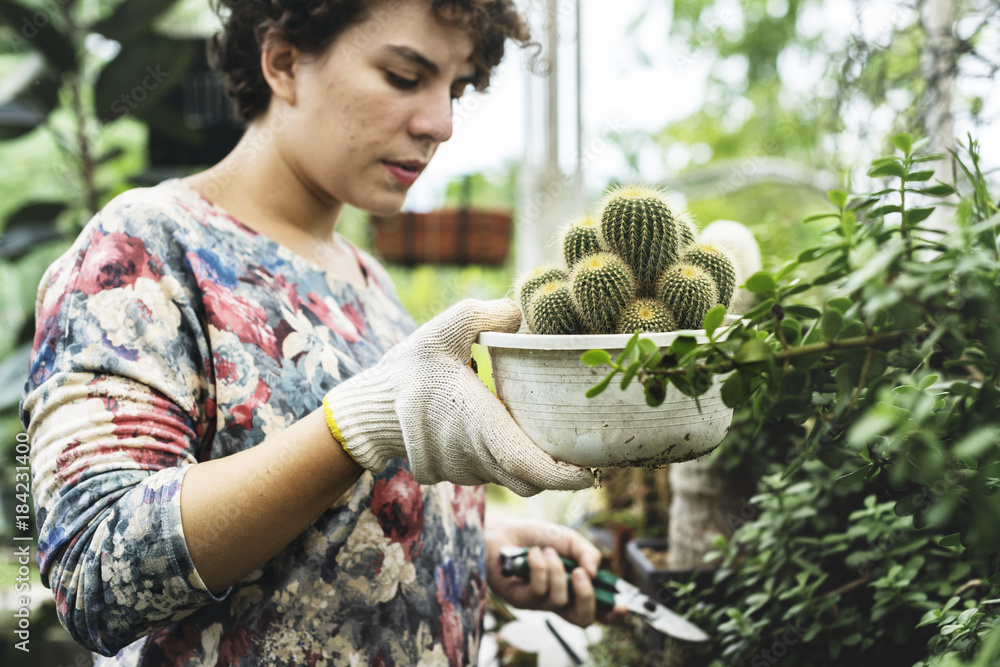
{"type": "Point", "coordinates": [278, 61]}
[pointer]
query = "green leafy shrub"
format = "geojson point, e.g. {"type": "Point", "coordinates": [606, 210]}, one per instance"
{"type": "Point", "coordinates": [870, 394]}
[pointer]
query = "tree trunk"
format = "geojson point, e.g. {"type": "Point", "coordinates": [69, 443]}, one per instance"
{"type": "Point", "coordinates": [939, 67]}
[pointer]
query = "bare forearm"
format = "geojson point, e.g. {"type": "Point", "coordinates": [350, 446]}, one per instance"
{"type": "Point", "coordinates": [241, 510]}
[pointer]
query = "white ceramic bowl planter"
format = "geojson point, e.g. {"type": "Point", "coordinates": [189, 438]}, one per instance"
{"type": "Point", "coordinates": [543, 383]}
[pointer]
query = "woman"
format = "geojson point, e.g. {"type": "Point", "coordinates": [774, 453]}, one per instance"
{"type": "Point", "coordinates": [196, 504]}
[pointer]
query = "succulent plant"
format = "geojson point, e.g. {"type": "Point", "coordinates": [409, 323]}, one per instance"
{"type": "Point", "coordinates": [719, 265]}
{"type": "Point", "coordinates": [689, 292]}
{"type": "Point", "coordinates": [637, 223]}
{"type": "Point", "coordinates": [580, 239]}
{"type": "Point", "coordinates": [550, 311]}
{"type": "Point", "coordinates": [534, 279]}
{"type": "Point", "coordinates": [646, 316]}
{"type": "Point", "coordinates": [601, 286]}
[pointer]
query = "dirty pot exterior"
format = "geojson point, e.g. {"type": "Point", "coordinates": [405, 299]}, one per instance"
{"type": "Point", "coordinates": [543, 383]}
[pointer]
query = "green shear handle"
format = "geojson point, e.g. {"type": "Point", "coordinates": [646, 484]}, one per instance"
{"type": "Point", "coordinates": [514, 563]}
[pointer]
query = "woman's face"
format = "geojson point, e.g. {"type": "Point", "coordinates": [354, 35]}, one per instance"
{"type": "Point", "coordinates": [370, 112]}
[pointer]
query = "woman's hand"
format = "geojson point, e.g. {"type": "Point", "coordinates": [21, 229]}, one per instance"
{"type": "Point", "coordinates": [423, 402]}
{"type": "Point", "coordinates": [547, 588]}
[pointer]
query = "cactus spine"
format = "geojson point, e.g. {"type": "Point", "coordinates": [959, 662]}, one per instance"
{"type": "Point", "coordinates": [637, 224]}
{"type": "Point", "coordinates": [719, 265]}
{"type": "Point", "coordinates": [580, 239]}
{"type": "Point", "coordinates": [537, 277]}
{"type": "Point", "coordinates": [689, 292]}
{"type": "Point", "coordinates": [601, 286]}
{"type": "Point", "coordinates": [646, 316]}
{"type": "Point", "coordinates": [550, 311]}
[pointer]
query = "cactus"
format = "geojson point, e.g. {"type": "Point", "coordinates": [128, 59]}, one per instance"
{"type": "Point", "coordinates": [637, 223]}
{"type": "Point", "coordinates": [689, 292]}
{"type": "Point", "coordinates": [550, 312]}
{"type": "Point", "coordinates": [534, 279]}
{"type": "Point", "coordinates": [719, 265]}
{"type": "Point", "coordinates": [579, 239]}
{"type": "Point", "coordinates": [646, 316]}
{"type": "Point", "coordinates": [601, 286]}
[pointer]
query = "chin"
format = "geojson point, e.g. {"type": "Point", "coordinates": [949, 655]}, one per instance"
{"type": "Point", "coordinates": [384, 205]}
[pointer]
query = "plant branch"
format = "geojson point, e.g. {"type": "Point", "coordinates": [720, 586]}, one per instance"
{"type": "Point", "coordinates": [861, 581]}
{"type": "Point", "coordinates": [873, 341]}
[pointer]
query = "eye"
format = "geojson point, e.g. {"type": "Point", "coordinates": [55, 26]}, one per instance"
{"type": "Point", "coordinates": [401, 82]}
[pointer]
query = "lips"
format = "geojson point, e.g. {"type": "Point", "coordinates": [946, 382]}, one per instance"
{"type": "Point", "coordinates": [405, 171]}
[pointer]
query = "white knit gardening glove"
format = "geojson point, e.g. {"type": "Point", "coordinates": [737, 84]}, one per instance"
{"type": "Point", "coordinates": [422, 401]}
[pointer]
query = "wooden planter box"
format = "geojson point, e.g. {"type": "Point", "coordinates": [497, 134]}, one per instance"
{"type": "Point", "coordinates": [456, 236]}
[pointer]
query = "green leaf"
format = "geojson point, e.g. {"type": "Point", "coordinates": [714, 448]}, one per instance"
{"type": "Point", "coordinates": [647, 348]}
{"type": "Point", "coordinates": [887, 169]}
{"type": "Point", "coordinates": [838, 197]}
{"type": "Point", "coordinates": [941, 190]}
{"type": "Point", "coordinates": [735, 390]}
{"type": "Point", "coordinates": [53, 44]}
{"type": "Point", "coordinates": [655, 392]}
{"type": "Point", "coordinates": [799, 310]}
{"type": "Point", "coordinates": [932, 157]}
{"type": "Point", "coordinates": [630, 373]}
{"type": "Point", "coordinates": [916, 215]}
{"type": "Point", "coordinates": [141, 76]}
{"type": "Point", "coordinates": [920, 176]}
{"type": "Point", "coordinates": [928, 381]}
{"type": "Point", "coordinates": [760, 282]}
{"type": "Point", "coordinates": [903, 142]}
{"type": "Point", "coordinates": [753, 351]}
{"type": "Point", "coordinates": [977, 444]}
{"type": "Point", "coordinates": [820, 216]}
{"type": "Point", "coordinates": [629, 348]}
{"type": "Point", "coordinates": [131, 18]}
{"type": "Point", "coordinates": [761, 309]}
{"type": "Point", "coordinates": [812, 254]}
{"type": "Point", "coordinates": [841, 304]}
{"type": "Point", "coordinates": [682, 346]}
{"type": "Point", "coordinates": [885, 210]}
{"type": "Point", "coordinates": [601, 386]}
{"type": "Point", "coordinates": [595, 357]}
{"type": "Point", "coordinates": [714, 318]}
{"type": "Point", "coordinates": [37, 96]}
{"type": "Point", "coordinates": [831, 324]}
{"type": "Point", "coordinates": [856, 476]}
{"type": "Point", "coordinates": [785, 270]}
{"type": "Point", "coordinates": [952, 540]}
{"type": "Point", "coordinates": [848, 223]}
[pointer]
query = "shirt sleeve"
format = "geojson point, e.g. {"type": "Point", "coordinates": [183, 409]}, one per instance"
{"type": "Point", "coordinates": [116, 405]}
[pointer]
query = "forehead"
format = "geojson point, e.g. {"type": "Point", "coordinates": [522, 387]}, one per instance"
{"type": "Point", "coordinates": [412, 24]}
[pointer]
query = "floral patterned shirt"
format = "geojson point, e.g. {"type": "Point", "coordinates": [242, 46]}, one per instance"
{"type": "Point", "coordinates": [170, 333]}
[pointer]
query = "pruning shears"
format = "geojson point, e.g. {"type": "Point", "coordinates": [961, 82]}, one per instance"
{"type": "Point", "coordinates": [610, 590]}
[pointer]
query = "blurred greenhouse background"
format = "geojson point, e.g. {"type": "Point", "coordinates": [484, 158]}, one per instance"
{"type": "Point", "coordinates": [746, 110]}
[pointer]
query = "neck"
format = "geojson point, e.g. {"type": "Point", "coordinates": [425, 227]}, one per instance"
{"type": "Point", "coordinates": [257, 185]}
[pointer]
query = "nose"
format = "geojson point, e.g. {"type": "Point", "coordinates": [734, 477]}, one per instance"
{"type": "Point", "coordinates": [432, 119]}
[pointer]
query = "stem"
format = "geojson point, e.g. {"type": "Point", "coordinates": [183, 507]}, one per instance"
{"type": "Point", "coordinates": [873, 341]}
{"type": "Point", "coordinates": [863, 379]}
{"type": "Point", "coordinates": [902, 212]}
{"type": "Point", "coordinates": [861, 581]}
{"type": "Point", "coordinates": [88, 166]}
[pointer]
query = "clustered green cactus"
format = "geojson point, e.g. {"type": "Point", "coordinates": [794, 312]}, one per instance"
{"type": "Point", "coordinates": [636, 265]}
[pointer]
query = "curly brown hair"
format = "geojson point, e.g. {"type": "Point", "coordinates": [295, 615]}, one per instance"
{"type": "Point", "coordinates": [312, 25]}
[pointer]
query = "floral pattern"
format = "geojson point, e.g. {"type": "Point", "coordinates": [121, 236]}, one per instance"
{"type": "Point", "coordinates": [170, 333]}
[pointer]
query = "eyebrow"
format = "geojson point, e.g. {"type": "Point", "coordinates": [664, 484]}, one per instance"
{"type": "Point", "coordinates": [423, 61]}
